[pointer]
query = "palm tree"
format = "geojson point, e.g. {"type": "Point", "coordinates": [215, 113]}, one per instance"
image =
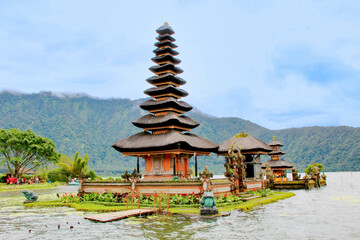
{"type": "Point", "coordinates": [76, 168]}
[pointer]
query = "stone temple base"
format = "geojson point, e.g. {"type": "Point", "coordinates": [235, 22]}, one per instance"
{"type": "Point", "coordinates": [208, 211]}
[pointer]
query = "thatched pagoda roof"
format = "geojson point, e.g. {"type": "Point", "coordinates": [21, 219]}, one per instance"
{"type": "Point", "coordinates": [145, 142]}
{"type": "Point", "coordinates": [276, 152]}
{"type": "Point", "coordinates": [151, 121]}
{"type": "Point", "coordinates": [165, 29]}
{"type": "Point", "coordinates": [166, 50]}
{"type": "Point", "coordinates": [275, 143]}
{"type": "Point", "coordinates": [165, 43]}
{"type": "Point", "coordinates": [248, 144]}
{"type": "Point", "coordinates": [165, 37]}
{"type": "Point", "coordinates": [164, 131]}
{"type": "Point", "coordinates": [165, 67]}
{"type": "Point", "coordinates": [166, 78]}
{"type": "Point", "coordinates": [153, 105]}
{"type": "Point", "coordinates": [277, 164]}
{"type": "Point", "coordinates": [166, 58]}
{"type": "Point", "coordinates": [166, 90]}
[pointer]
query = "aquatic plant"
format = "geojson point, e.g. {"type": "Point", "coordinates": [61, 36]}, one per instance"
{"type": "Point", "coordinates": [263, 192]}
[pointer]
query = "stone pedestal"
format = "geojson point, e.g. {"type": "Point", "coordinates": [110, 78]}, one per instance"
{"type": "Point", "coordinates": [208, 211]}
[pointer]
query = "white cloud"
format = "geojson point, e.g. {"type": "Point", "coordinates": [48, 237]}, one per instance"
{"type": "Point", "coordinates": [233, 53]}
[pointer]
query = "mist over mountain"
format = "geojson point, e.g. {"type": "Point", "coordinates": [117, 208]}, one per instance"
{"type": "Point", "coordinates": [79, 122]}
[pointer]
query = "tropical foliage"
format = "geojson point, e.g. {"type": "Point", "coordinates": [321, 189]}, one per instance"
{"type": "Point", "coordinates": [67, 168]}
{"type": "Point", "coordinates": [24, 149]}
{"type": "Point", "coordinates": [174, 200]}
{"type": "Point", "coordinates": [75, 168]}
{"type": "Point", "coordinates": [309, 169]}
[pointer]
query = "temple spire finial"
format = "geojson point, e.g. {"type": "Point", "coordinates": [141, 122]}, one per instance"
{"type": "Point", "coordinates": [165, 24]}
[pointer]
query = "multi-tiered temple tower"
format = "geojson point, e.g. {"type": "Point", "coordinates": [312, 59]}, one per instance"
{"type": "Point", "coordinates": [277, 165]}
{"type": "Point", "coordinates": [165, 144]}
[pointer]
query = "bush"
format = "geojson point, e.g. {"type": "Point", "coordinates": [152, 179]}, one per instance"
{"type": "Point", "coordinates": [91, 174]}
{"type": "Point", "coordinates": [58, 174]}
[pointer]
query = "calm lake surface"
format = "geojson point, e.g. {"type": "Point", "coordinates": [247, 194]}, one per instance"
{"type": "Point", "coordinates": [331, 212]}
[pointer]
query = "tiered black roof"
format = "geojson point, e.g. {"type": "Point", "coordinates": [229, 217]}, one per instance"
{"type": "Point", "coordinates": [164, 125]}
{"type": "Point", "coordinates": [166, 79]}
{"type": "Point", "coordinates": [165, 58]}
{"type": "Point", "coordinates": [275, 143]}
{"type": "Point", "coordinates": [277, 163]}
{"type": "Point", "coordinates": [170, 119]}
{"type": "Point", "coordinates": [166, 91]}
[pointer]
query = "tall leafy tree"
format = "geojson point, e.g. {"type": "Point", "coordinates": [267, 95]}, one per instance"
{"type": "Point", "coordinates": [24, 150]}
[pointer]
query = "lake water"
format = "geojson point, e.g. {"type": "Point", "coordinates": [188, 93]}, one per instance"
{"type": "Point", "coordinates": [331, 212]}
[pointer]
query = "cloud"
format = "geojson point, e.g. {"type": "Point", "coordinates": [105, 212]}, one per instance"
{"type": "Point", "coordinates": [277, 63]}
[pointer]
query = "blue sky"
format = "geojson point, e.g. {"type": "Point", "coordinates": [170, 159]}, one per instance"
{"type": "Point", "coordinates": [279, 64]}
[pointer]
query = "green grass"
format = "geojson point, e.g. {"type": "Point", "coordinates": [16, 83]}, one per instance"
{"type": "Point", "coordinates": [5, 187]}
{"type": "Point", "coordinates": [250, 205]}
{"type": "Point", "coordinates": [111, 207]}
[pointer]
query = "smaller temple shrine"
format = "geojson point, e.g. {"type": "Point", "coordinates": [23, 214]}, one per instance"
{"type": "Point", "coordinates": [251, 148]}
{"type": "Point", "coordinates": [276, 163]}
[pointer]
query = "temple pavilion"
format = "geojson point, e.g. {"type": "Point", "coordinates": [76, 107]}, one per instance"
{"type": "Point", "coordinates": [252, 148]}
{"type": "Point", "coordinates": [165, 144]}
{"type": "Point", "coordinates": [277, 165]}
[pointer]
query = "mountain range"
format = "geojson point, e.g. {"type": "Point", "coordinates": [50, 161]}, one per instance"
{"type": "Point", "coordinates": [78, 122]}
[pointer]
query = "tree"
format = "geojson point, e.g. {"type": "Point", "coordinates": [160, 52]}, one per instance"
{"type": "Point", "coordinates": [309, 169]}
{"type": "Point", "coordinates": [76, 168]}
{"type": "Point", "coordinates": [235, 168]}
{"type": "Point", "coordinates": [24, 150]}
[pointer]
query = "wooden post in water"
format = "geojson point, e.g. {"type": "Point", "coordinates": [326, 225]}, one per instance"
{"type": "Point", "coordinates": [154, 202]}
{"type": "Point", "coordinates": [139, 201]}
{"type": "Point", "coordinates": [168, 205]}
{"type": "Point", "coordinates": [159, 203]}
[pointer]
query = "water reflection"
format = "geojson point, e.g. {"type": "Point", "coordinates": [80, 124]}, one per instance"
{"type": "Point", "coordinates": [331, 212]}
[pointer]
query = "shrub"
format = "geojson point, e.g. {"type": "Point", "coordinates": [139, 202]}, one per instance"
{"type": "Point", "coordinates": [91, 174]}
{"type": "Point", "coordinates": [58, 174]}
{"type": "Point", "coordinates": [308, 170]}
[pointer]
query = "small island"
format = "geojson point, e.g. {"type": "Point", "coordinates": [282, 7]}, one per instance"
{"type": "Point", "coordinates": [167, 183]}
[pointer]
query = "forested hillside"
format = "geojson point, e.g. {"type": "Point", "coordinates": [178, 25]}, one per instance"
{"type": "Point", "coordinates": [89, 125]}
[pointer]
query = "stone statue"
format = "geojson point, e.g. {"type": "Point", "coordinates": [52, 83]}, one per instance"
{"type": "Point", "coordinates": [323, 176]}
{"type": "Point", "coordinates": [126, 176]}
{"type": "Point", "coordinates": [208, 204]}
{"type": "Point", "coordinates": [295, 174]}
{"type": "Point", "coordinates": [235, 168]}
{"type": "Point", "coordinates": [30, 196]}
{"type": "Point", "coordinates": [269, 177]}
{"type": "Point", "coordinates": [316, 174]}
{"type": "Point", "coordinates": [206, 173]}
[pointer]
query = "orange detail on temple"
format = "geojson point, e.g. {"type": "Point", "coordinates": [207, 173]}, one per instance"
{"type": "Point", "coordinates": [148, 163]}
{"type": "Point", "coordinates": [166, 162]}
{"type": "Point", "coordinates": [161, 114]}
{"type": "Point", "coordinates": [160, 99]}
{"type": "Point", "coordinates": [160, 132]}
